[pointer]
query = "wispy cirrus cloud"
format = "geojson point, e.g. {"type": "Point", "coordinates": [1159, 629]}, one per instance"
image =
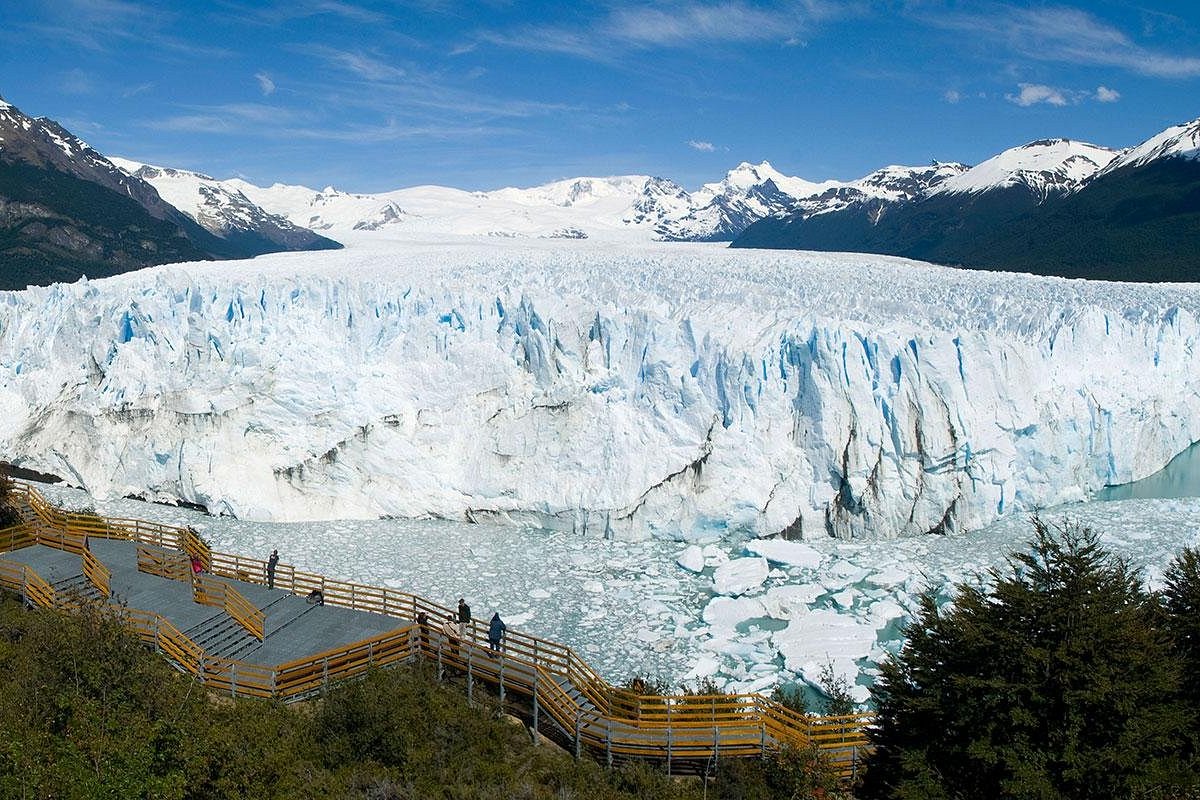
{"type": "Point", "coordinates": [678, 24]}
{"type": "Point", "coordinates": [702, 146]}
{"type": "Point", "coordinates": [278, 13]}
{"type": "Point", "coordinates": [1107, 95]}
{"type": "Point", "coordinates": [369, 66]}
{"type": "Point", "coordinates": [107, 26]}
{"type": "Point", "coordinates": [141, 88]}
{"type": "Point", "coordinates": [1065, 35]}
{"type": "Point", "coordinates": [228, 118]}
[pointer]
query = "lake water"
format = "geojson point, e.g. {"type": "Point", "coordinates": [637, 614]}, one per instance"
{"type": "Point", "coordinates": [1180, 478]}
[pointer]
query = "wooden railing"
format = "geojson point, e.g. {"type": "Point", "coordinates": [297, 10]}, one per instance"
{"type": "Point", "coordinates": [170, 564]}
{"type": "Point", "coordinates": [97, 573]}
{"type": "Point", "coordinates": [18, 536]}
{"type": "Point", "coordinates": [210, 591]}
{"type": "Point", "coordinates": [25, 581]}
{"type": "Point", "coordinates": [612, 720]}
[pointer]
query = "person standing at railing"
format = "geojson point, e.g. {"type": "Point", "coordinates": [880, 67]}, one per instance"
{"type": "Point", "coordinates": [464, 619]}
{"type": "Point", "coordinates": [423, 627]}
{"type": "Point", "coordinates": [496, 631]}
{"type": "Point", "coordinates": [272, 562]}
{"type": "Point", "coordinates": [197, 568]}
{"type": "Point", "coordinates": [450, 631]}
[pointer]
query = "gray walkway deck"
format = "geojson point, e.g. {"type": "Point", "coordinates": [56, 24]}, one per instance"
{"type": "Point", "coordinates": [293, 627]}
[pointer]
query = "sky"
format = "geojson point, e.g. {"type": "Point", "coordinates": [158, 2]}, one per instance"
{"type": "Point", "coordinates": [372, 95]}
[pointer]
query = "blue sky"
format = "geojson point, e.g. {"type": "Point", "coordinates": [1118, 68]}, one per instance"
{"type": "Point", "coordinates": [370, 96]}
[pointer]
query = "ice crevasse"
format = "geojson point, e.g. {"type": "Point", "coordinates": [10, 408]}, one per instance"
{"type": "Point", "coordinates": [629, 390]}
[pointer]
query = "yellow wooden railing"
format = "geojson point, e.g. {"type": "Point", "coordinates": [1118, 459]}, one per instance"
{"type": "Point", "coordinates": [97, 573]}
{"type": "Point", "coordinates": [210, 591]}
{"type": "Point", "coordinates": [170, 564]}
{"type": "Point", "coordinates": [608, 719]}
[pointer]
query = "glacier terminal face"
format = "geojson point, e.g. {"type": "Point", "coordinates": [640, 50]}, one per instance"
{"type": "Point", "coordinates": [631, 390]}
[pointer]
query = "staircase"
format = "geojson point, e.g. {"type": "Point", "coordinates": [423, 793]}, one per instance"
{"type": "Point", "coordinates": [221, 636]}
{"type": "Point", "coordinates": [78, 588]}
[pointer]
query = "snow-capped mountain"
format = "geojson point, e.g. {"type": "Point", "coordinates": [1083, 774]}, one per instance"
{"type": "Point", "coordinates": [65, 210]}
{"type": "Point", "coordinates": [719, 211]}
{"type": "Point", "coordinates": [1054, 206]}
{"type": "Point", "coordinates": [629, 206]}
{"type": "Point", "coordinates": [1177, 141]}
{"type": "Point", "coordinates": [1044, 168]}
{"type": "Point", "coordinates": [637, 207]}
{"type": "Point", "coordinates": [882, 188]}
{"type": "Point", "coordinates": [223, 211]}
{"type": "Point", "coordinates": [44, 144]}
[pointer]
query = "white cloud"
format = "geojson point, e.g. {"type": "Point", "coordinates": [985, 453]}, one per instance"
{"type": "Point", "coordinates": [265, 83]}
{"type": "Point", "coordinates": [680, 24]}
{"type": "Point", "coordinates": [1107, 95]}
{"type": "Point", "coordinates": [1034, 93]}
{"type": "Point", "coordinates": [704, 147]}
{"type": "Point", "coordinates": [1067, 35]}
{"type": "Point", "coordinates": [76, 81]}
{"type": "Point", "coordinates": [361, 64]}
{"type": "Point", "coordinates": [952, 96]}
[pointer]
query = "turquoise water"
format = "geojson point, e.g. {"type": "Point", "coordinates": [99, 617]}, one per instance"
{"type": "Point", "coordinates": [1179, 478]}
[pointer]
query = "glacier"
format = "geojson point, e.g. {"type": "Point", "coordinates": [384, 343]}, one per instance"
{"type": "Point", "coordinates": [628, 390]}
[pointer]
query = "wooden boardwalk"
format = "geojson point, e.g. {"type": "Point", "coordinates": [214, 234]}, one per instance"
{"type": "Point", "coordinates": [236, 635]}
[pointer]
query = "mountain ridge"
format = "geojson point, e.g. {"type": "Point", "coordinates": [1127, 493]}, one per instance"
{"type": "Point", "coordinates": [1049, 207]}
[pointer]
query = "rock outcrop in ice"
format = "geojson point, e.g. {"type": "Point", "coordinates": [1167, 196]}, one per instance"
{"type": "Point", "coordinates": [679, 390]}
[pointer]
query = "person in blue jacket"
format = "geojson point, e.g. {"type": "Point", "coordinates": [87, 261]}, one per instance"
{"type": "Point", "coordinates": [496, 631]}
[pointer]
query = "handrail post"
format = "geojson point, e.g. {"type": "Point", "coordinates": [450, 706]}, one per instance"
{"type": "Point", "coordinates": [608, 742]}
{"type": "Point", "coordinates": [669, 737]}
{"type": "Point", "coordinates": [535, 703]}
{"type": "Point", "coordinates": [470, 678]}
{"type": "Point", "coordinates": [325, 675]}
{"type": "Point", "coordinates": [233, 680]}
{"type": "Point", "coordinates": [578, 714]}
{"type": "Point", "coordinates": [441, 669]}
{"type": "Point", "coordinates": [502, 680]}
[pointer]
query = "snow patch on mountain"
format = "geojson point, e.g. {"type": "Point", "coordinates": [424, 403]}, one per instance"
{"type": "Point", "coordinates": [1178, 140]}
{"type": "Point", "coordinates": [1044, 167]}
{"type": "Point", "coordinates": [676, 390]}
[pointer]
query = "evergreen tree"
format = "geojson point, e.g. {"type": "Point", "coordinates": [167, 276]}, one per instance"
{"type": "Point", "coordinates": [1182, 603]}
{"type": "Point", "coordinates": [1052, 681]}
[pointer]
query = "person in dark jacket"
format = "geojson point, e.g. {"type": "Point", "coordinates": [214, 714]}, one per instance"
{"type": "Point", "coordinates": [272, 562]}
{"type": "Point", "coordinates": [423, 627]}
{"type": "Point", "coordinates": [496, 631]}
{"type": "Point", "coordinates": [464, 611]}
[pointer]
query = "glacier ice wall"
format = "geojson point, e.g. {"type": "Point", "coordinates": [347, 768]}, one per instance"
{"type": "Point", "coordinates": [635, 390]}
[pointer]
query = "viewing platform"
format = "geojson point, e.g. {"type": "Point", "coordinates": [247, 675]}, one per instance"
{"type": "Point", "coordinates": [227, 628]}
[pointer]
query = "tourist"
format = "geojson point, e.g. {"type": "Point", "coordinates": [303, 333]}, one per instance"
{"type": "Point", "coordinates": [272, 562]}
{"type": "Point", "coordinates": [496, 631]}
{"type": "Point", "coordinates": [451, 632]}
{"type": "Point", "coordinates": [423, 626]}
{"type": "Point", "coordinates": [464, 619]}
